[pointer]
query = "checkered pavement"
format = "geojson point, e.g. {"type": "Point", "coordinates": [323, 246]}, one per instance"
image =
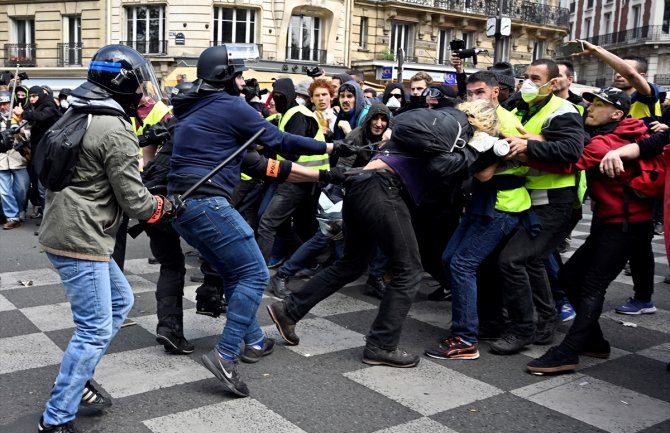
{"type": "Point", "coordinates": [321, 385]}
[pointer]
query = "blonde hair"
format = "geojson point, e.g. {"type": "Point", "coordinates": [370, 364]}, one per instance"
{"type": "Point", "coordinates": [482, 116]}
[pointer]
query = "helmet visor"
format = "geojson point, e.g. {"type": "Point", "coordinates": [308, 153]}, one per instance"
{"type": "Point", "coordinates": [151, 90]}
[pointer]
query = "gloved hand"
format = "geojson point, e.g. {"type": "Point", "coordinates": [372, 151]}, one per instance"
{"type": "Point", "coordinates": [335, 175]}
{"type": "Point", "coordinates": [154, 134]}
{"type": "Point", "coordinates": [165, 209]}
{"type": "Point", "coordinates": [344, 148]}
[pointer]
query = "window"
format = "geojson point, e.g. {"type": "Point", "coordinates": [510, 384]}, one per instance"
{"type": "Point", "coordinates": [636, 21]}
{"type": "Point", "coordinates": [304, 39]}
{"type": "Point", "coordinates": [24, 31]}
{"type": "Point", "coordinates": [538, 50]}
{"type": "Point", "coordinates": [443, 51]}
{"type": "Point", "coordinates": [23, 50]}
{"type": "Point", "coordinates": [234, 25]}
{"type": "Point", "coordinates": [586, 31]}
{"type": "Point", "coordinates": [70, 49]}
{"type": "Point", "coordinates": [607, 23]}
{"type": "Point", "coordinates": [666, 17]}
{"type": "Point", "coordinates": [572, 7]}
{"type": "Point", "coordinates": [363, 34]}
{"type": "Point", "coordinates": [146, 29]}
{"type": "Point", "coordinates": [401, 37]}
{"type": "Point", "coordinates": [589, 4]}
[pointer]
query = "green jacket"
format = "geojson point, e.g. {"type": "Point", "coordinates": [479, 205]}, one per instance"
{"type": "Point", "coordinates": [82, 221]}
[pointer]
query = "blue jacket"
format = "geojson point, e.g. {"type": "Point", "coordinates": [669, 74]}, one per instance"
{"type": "Point", "coordinates": [210, 128]}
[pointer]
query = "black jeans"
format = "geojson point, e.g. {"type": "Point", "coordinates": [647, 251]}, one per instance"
{"type": "Point", "coordinates": [524, 278]}
{"type": "Point", "coordinates": [286, 200]}
{"type": "Point", "coordinates": [591, 269]}
{"type": "Point", "coordinates": [374, 214]}
{"type": "Point", "coordinates": [166, 248]}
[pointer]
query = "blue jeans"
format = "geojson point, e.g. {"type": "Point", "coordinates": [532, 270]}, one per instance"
{"type": "Point", "coordinates": [305, 255]}
{"type": "Point", "coordinates": [474, 239]}
{"type": "Point", "coordinates": [225, 240]}
{"type": "Point", "coordinates": [14, 191]}
{"type": "Point", "coordinates": [100, 298]}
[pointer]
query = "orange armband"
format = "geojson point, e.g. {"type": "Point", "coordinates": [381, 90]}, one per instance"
{"type": "Point", "coordinates": [160, 204]}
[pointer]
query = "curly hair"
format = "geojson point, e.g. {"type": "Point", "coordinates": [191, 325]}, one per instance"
{"type": "Point", "coordinates": [482, 116]}
{"type": "Point", "coordinates": [320, 82]}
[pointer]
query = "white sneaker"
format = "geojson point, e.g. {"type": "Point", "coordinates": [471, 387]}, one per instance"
{"type": "Point", "coordinates": [22, 216]}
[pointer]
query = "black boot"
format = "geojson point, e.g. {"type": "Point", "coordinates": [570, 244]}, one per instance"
{"type": "Point", "coordinates": [170, 334]}
{"type": "Point", "coordinates": [375, 286]}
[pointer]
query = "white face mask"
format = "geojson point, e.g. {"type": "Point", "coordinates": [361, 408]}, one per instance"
{"type": "Point", "coordinates": [530, 90]}
{"type": "Point", "coordinates": [300, 100]}
{"type": "Point", "coordinates": [393, 102]}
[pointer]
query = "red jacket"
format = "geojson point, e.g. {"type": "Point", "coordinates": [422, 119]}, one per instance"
{"type": "Point", "coordinates": [607, 193]}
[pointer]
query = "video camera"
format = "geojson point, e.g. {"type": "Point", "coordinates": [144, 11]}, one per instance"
{"type": "Point", "coordinates": [252, 88]}
{"type": "Point", "coordinates": [8, 141]}
{"type": "Point", "coordinates": [316, 71]}
{"type": "Point", "coordinates": [458, 46]}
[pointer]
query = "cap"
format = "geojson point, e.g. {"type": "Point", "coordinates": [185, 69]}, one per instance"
{"type": "Point", "coordinates": [612, 96]}
{"type": "Point", "coordinates": [302, 88]}
{"type": "Point", "coordinates": [504, 73]}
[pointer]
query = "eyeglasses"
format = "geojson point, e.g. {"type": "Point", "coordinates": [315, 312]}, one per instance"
{"type": "Point", "coordinates": [396, 95]}
{"type": "Point", "coordinates": [433, 92]}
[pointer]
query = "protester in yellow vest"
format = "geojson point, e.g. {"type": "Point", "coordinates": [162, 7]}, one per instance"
{"type": "Point", "coordinates": [288, 197]}
{"type": "Point", "coordinates": [554, 133]}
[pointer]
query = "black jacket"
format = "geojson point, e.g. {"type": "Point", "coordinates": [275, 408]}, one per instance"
{"type": "Point", "coordinates": [41, 116]}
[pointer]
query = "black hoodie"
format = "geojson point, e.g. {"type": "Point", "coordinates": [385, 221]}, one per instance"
{"type": "Point", "coordinates": [41, 115]}
{"type": "Point", "coordinates": [299, 124]}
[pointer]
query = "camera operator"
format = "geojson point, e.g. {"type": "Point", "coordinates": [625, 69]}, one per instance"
{"type": "Point", "coordinates": [14, 179]}
{"type": "Point", "coordinates": [252, 94]}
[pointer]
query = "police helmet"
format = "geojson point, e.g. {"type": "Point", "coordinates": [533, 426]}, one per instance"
{"type": "Point", "coordinates": [216, 67]}
{"type": "Point", "coordinates": [5, 97]}
{"type": "Point", "coordinates": [180, 88]}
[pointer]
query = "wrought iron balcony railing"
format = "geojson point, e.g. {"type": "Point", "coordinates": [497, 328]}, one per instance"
{"type": "Point", "coordinates": [151, 46]}
{"type": "Point", "coordinates": [20, 54]}
{"type": "Point", "coordinates": [662, 79]}
{"type": "Point", "coordinates": [636, 36]}
{"type": "Point", "coordinates": [69, 54]}
{"type": "Point", "coordinates": [306, 54]}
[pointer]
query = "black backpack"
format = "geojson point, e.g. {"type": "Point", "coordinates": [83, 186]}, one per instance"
{"type": "Point", "coordinates": [57, 153]}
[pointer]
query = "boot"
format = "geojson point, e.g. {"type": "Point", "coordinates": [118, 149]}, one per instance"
{"type": "Point", "coordinates": [170, 334]}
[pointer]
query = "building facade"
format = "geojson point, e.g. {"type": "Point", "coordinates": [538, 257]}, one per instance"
{"type": "Point", "coordinates": [628, 27]}
{"type": "Point", "coordinates": [58, 38]}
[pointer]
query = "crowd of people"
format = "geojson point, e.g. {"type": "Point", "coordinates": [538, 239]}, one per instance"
{"type": "Point", "coordinates": [478, 186]}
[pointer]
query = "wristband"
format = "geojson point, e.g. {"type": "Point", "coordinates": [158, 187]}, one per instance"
{"type": "Point", "coordinates": [159, 210]}
{"type": "Point", "coordinates": [272, 169]}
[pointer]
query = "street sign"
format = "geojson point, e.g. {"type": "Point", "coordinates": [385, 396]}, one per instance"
{"type": "Point", "coordinates": [387, 73]}
{"type": "Point", "coordinates": [450, 78]}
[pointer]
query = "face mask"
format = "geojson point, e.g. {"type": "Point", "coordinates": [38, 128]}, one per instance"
{"type": "Point", "coordinates": [530, 90]}
{"type": "Point", "coordinates": [300, 100]}
{"type": "Point", "coordinates": [393, 103]}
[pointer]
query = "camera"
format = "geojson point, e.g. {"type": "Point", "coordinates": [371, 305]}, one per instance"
{"type": "Point", "coordinates": [314, 72]}
{"type": "Point", "coordinates": [458, 47]}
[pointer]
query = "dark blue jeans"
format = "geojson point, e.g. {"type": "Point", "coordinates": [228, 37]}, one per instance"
{"type": "Point", "coordinates": [227, 243]}
{"type": "Point", "coordinates": [474, 239]}
{"type": "Point", "coordinates": [304, 256]}
{"type": "Point", "coordinates": [374, 214]}
{"type": "Point", "coordinates": [590, 271]}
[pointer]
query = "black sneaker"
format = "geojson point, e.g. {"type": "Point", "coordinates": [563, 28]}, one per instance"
{"type": "Point", "coordinates": [285, 325]}
{"type": "Point", "coordinates": [279, 286]}
{"type": "Point", "coordinates": [554, 361]}
{"type": "Point", "coordinates": [173, 342]}
{"type": "Point", "coordinates": [544, 333]}
{"type": "Point", "coordinates": [226, 372]}
{"type": "Point", "coordinates": [209, 302]}
{"type": "Point", "coordinates": [254, 353]}
{"type": "Point", "coordinates": [599, 350]}
{"type": "Point", "coordinates": [375, 287]}
{"type": "Point", "coordinates": [68, 427]}
{"type": "Point", "coordinates": [92, 399]}
{"type": "Point", "coordinates": [510, 344]}
{"type": "Point", "coordinates": [440, 294]}
{"type": "Point", "coordinates": [374, 355]}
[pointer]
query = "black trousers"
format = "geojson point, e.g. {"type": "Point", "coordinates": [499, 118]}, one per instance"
{"type": "Point", "coordinates": [590, 271]}
{"type": "Point", "coordinates": [374, 214]}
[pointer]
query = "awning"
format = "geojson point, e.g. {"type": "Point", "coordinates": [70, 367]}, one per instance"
{"type": "Point", "coordinates": [265, 79]}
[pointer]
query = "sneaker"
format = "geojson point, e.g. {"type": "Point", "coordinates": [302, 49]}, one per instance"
{"type": "Point", "coordinates": [566, 312]}
{"type": "Point", "coordinates": [635, 307]}
{"type": "Point", "coordinates": [455, 348]}
{"type": "Point", "coordinates": [284, 324]}
{"type": "Point", "coordinates": [11, 224]}
{"type": "Point", "coordinates": [279, 286]}
{"type": "Point", "coordinates": [554, 361]}
{"type": "Point", "coordinates": [545, 332]}
{"type": "Point", "coordinates": [599, 350]}
{"type": "Point", "coordinates": [510, 344]}
{"type": "Point", "coordinates": [209, 302]}
{"type": "Point", "coordinates": [37, 213]}
{"type": "Point", "coordinates": [375, 287]}
{"type": "Point", "coordinates": [22, 216]}
{"type": "Point", "coordinates": [92, 399]}
{"type": "Point", "coordinates": [173, 342]}
{"type": "Point", "coordinates": [374, 355]}
{"type": "Point", "coordinates": [254, 353]}
{"type": "Point", "coordinates": [68, 427]}
{"type": "Point", "coordinates": [226, 372]}
{"type": "Point", "coordinates": [440, 294]}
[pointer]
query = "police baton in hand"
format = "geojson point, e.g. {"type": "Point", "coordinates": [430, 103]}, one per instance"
{"type": "Point", "coordinates": [179, 200]}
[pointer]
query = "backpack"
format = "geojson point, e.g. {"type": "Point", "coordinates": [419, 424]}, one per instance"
{"type": "Point", "coordinates": [57, 153]}
{"type": "Point", "coordinates": [649, 181]}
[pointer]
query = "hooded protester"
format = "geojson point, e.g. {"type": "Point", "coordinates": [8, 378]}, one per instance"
{"type": "Point", "coordinates": [394, 97]}
{"type": "Point", "coordinates": [440, 96]}
{"type": "Point", "coordinates": [21, 97]}
{"type": "Point", "coordinates": [353, 109]}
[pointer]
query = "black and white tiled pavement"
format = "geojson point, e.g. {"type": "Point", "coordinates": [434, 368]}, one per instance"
{"type": "Point", "coordinates": [321, 386]}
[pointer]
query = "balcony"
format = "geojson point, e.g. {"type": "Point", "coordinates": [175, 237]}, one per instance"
{"type": "Point", "coordinates": [20, 54]}
{"type": "Point", "coordinates": [638, 36]}
{"type": "Point", "coordinates": [69, 54]}
{"type": "Point", "coordinates": [150, 47]}
{"type": "Point", "coordinates": [306, 54]}
{"type": "Point", "coordinates": [662, 79]}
